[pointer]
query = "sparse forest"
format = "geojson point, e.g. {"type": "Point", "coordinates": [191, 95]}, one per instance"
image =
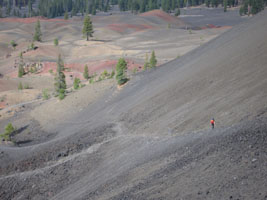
{"type": "Point", "coordinates": [55, 8]}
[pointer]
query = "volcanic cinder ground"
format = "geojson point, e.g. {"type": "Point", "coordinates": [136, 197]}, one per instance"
{"type": "Point", "coordinates": [149, 139]}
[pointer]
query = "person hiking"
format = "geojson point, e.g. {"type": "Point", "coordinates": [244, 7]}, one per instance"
{"type": "Point", "coordinates": [212, 123]}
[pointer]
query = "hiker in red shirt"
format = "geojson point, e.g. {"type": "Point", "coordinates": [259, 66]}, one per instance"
{"type": "Point", "coordinates": [212, 123]}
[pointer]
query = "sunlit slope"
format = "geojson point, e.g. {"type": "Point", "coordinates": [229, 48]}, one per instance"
{"type": "Point", "coordinates": [225, 79]}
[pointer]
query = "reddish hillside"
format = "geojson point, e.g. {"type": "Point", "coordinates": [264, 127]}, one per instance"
{"type": "Point", "coordinates": [158, 13]}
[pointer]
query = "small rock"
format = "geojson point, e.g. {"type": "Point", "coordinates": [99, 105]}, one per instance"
{"type": "Point", "coordinates": [254, 160]}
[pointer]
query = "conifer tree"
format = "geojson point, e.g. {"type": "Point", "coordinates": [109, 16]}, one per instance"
{"type": "Point", "coordinates": [224, 5]}
{"type": "Point", "coordinates": [37, 34]}
{"type": "Point", "coordinates": [146, 65]}
{"type": "Point", "coordinates": [60, 83]}
{"type": "Point", "coordinates": [153, 60]}
{"type": "Point", "coordinates": [121, 68]}
{"type": "Point", "coordinates": [29, 8]}
{"type": "Point", "coordinates": [87, 27]}
{"type": "Point", "coordinates": [21, 71]}
{"type": "Point", "coordinates": [85, 73]}
{"type": "Point", "coordinates": [66, 16]}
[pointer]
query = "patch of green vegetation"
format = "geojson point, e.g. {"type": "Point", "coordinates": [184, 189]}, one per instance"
{"type": "Point", "coordinates": [13, 44]}
{"type": "Point", "coordinates": [26, 86]}
{"type": "Point", "coordinates": [9, 129]}
{"type": "Point", "coordinates": [56, 42]}
{"type": "Point", "coordinates": [45, 94]}
{"type": "Point", "coordinates": [121, 69]}
{"type": "Point", "coordinates": [76, 83]}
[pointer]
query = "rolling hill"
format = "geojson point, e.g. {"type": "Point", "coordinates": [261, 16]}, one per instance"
{"type": "Point", "coordinates": [152, 140]}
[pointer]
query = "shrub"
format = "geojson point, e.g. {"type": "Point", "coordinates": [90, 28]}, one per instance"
{"type": "Point", "coordinates": [26, 86]}
{"type": "Point", "coordinates": [153, 60]}
{"type": "Point", "coordinates": [9, 129]}
{"type": "Point", "coordinates": [76, 83]}
{"type": "Point", "coordinates": [45, 94]}
{"type": "Point", "coordinates": [13, 44]}
{"type": "Point", "coordinates": [32, 46]}
{"type": "Point", "coordinates": [121, 68]}
{"type": "Point", "coordinates": [21, 71]}
{"type": "Point", "coordinates": [33, 69]}
{"type": "Point", "coordinates": [104, 74]}
{"type": "Point", "coordinates": [91, 81]}
{"type": "Point", "coordinates": [177, 13]}
{"type": "Point", "coordinates": [61, 96]}
{"type": "Point", "coordinates": [85, 73]}
{"type": "Point", "coordinates": [56, 42]}
{"type": "Point", "coordinates": [112, 74]}
{"type": "Point", "coordinates": [66, 16]}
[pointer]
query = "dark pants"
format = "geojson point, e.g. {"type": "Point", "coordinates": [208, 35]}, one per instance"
{"type": "Point", "coordinates": [212, 126]}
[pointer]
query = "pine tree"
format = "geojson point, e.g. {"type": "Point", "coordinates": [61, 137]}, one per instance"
{"type": "Point", "coordinates": [37, 34]}
{"type": "Point", "coordinates": [146, 65]}
{"type": "Point", "coordinates": [121, 68]}
{"type": "Point", "coordinates": [87, 28]}
{"type": "Point", "coordinates": [21, 71]}
{"type": "Point", "coordinates": [76, 83]}
{"type": "Point", "coordinates": [29, 8]}
{"type": "Point", "coordinates": [66, 16]}
{"type": "Point", "coordinates": [225, 5]}
{"type": "Point", "coordinates": [153, 60]}
{"type": "Point", "coordinates": [85, 73]}
{"type": "Point", "coordinates": [60, 83]}
{"type": "Point", "coordinates": [56, 42]}
{"type": "Point", "coordinates": [178, 12]}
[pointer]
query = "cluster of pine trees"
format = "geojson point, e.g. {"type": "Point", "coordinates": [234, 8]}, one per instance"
{"type": "Point", "coordinates": [252, 6]}
{"type": "Point", "coordinates": [54, 8]}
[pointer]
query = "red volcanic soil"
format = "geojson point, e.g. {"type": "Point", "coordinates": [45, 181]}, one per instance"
{"type": "Point", "coordinates": [158, 13]}
{"type": "Point", "coordinates": [76, 69]}
{"type": "Point", "coordinates": [29, 20]}
{"type": "Point", "coordinates": [123, 27]}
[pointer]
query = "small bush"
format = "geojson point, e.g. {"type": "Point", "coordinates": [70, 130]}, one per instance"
{"type": "Point", "coordinates": [26, 86]}
{"type": "Point", "coordinates": [177, 13]}
{"type": "Point", "coordinates": [76, 83]}
{"type": "Point", "coordinates": [104, 75]}
{"type": "Point", "coordinates": [51, 71]}
{"type": "Point", "coordinates": [56, 42]}
{"type": "Point", "coordinates": [45, 94]}
{"type": "Point", "coordinates": [61, 96]}
{"type": "Point", "coordinates": [33, 69]}
{"type": "Point", "coordinates": [9, 129]}
{"type": "Point", "coordinates": [32, 46]}
{"type": "Point", "coordinates": [85, 72]}
{"type": "Point", "coordinates": [91, 81]}
{"type": "Point", "coordinates": [21, 71]}
{"type": "Point", "coordinates": [112, 74]}
{"type": "Point", "coordinates": [13, 44]}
